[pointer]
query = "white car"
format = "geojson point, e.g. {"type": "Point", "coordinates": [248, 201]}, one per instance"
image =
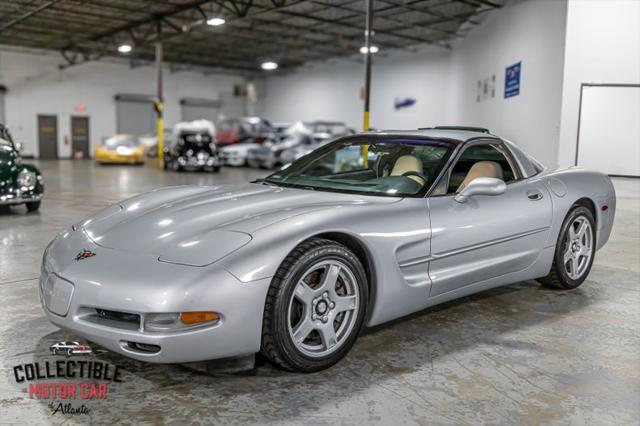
{"type": "Point", "coordinates": [236, 154]}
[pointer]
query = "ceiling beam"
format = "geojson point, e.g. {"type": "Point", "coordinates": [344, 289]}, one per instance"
{"type": "Point", "coordinates": [27, 15]}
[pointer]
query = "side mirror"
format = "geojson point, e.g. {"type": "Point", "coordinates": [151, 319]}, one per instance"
{"type": "Point", "coordinates": [18, 146]}
{"type": "Point", "coordinates": [481, 186]}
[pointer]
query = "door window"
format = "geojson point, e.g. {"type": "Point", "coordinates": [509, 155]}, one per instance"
{"type": "Point", "coordinates": [480, 153]}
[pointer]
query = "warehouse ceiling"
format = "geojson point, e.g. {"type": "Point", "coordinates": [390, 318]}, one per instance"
{"type": "Point", "coordinates": [289, 32]}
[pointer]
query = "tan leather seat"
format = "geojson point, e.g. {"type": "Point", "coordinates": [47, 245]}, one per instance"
{"type": "Point", "coordinates": [482, 169]}
{"type": "Point", "coordinates": [408, 163]}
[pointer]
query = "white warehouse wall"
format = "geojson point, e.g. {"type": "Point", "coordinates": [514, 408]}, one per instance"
{"type": "Point", "coordinates": [602, 46]}
{"type": "Point", "coordinates": [444, 82]}
{"type": "Point", "coordinates": [332, 91]}
{"type": "Point", "coordinates": [527, 31]}
{"type": "Point", "coordinates": [35, 86]}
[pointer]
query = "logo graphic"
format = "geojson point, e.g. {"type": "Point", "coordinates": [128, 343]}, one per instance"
{"type": "Point", "coordinates": [84, 254]}
{"type": "Point", "coordinates": [69, 348]}
{"type": "Point", "coordinates": [69, 386]}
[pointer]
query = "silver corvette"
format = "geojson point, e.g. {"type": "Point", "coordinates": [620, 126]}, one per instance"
{"type": "Point", "coordinates": [364, 230]}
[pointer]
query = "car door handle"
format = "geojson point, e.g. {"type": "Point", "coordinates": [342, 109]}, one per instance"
{"type": "Point", "coordinates": [534, 195]}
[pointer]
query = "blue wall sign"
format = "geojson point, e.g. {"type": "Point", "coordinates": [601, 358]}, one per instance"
{"type": "Point", "coordinates": [512, 80]}
{"type": "Point", "coordinates": [403, 103]}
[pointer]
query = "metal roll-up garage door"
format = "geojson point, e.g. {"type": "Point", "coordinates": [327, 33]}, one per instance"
{"type": "Point", "coordinates": [135, 114]}
{"type": "Point", "coordinates": [198, 108]}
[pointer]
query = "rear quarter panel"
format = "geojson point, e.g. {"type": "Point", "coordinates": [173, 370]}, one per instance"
{"type": "Point", "coordinates": [567, 186]}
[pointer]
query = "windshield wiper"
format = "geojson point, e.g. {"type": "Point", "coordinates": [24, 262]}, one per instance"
{"type": "Point", "coordinates": [265, 182]}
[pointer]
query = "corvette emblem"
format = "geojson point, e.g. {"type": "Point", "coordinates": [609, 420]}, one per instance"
{"type": "Point", "coordinates": [84, 254]}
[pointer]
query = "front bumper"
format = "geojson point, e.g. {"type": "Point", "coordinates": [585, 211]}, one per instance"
{"type": "Point", "coordinates": [121, 282]}
{"type": "Point", "coordinates": [120, 159]}
{"type": "Point", "coordinates": [233, 159]}
{"type": "Point", "coordinates": [198, 161]}
{"type": "Point", "coordinates": [18, 196]}
{"type": "Point", "coordinates": [266, 159]}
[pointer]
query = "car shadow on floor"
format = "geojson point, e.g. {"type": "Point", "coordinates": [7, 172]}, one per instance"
{"type": "Point", "coordinates": [383, 355]}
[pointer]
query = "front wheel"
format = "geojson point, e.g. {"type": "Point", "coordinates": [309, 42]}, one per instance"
{"type": "Point", "coordinates": [315, 307]}
{"type": "Point", "coordinates": [33, 206]}
{"type": "Point", "coordinates": [575, 250]}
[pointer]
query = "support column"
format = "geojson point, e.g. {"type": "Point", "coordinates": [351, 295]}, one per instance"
{"type": "Point", "coordinates": [159, 105]}
{"type": "Point", "coordinates": [367, 76]}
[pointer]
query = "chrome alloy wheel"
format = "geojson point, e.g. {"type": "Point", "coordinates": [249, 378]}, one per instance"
{"type": "Point", "coordinates": [323, 308]}
{"type": "Point", "coordinates": [578, 248]}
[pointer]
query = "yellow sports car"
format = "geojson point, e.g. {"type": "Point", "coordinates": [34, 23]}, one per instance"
{"type": "Point", "coordinates": [120, 149]}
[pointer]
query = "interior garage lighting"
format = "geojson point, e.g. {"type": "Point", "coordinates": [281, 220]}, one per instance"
{"type": "Point", "coordinates": [374, 49]}
{"type": "Point", "coordinates": [269, 66]}
{"type": "Point", "coordinates": [214, 22]}
{"type": "Point", "coordinates": [124, 48]}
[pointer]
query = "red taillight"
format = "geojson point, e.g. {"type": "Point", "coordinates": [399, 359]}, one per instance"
{"type": "Point", "coordinates": [605, 208]}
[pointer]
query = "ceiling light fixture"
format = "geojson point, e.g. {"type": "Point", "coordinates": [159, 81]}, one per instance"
{"type": "Point", "coordinates": [269, 65]}
{"type": "Point", "coordinates": [215, 22]}
{"type": "Point", "coordinates": [124, 48]}
{"type": "Point", "coordinates": [374, 49]}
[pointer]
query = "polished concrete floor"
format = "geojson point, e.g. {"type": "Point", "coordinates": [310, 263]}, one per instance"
{"type": "Point", "coordinates": [521, 354]}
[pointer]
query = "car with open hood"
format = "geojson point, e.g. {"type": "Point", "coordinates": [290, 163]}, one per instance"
{"type": "Point", "coordinates": [319, 133]}
{"type": "Point", "coordinates": [192, 147]}
{"type": "Point", "coordinates": [364, 230]}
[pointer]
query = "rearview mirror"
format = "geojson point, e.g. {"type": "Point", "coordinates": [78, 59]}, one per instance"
{"type": "Point", "coordinates": [481, 186]}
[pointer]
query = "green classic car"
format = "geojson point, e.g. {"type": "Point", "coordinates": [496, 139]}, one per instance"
{"type": "Point", "coordinates": [19, 183]}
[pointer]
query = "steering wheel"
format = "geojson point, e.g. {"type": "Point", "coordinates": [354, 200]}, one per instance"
{"type": "Point", "coordinates": [417, 174]}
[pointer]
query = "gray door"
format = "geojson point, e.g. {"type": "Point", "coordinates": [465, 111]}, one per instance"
{"type": "Point", "coordinates": [80, 136]}
{"type": "Point", "coordinates": [232, 106]}
{"type": "Point", "coordinates": [48, 137]}
{"type": "Point", "coordinates": [197, 109]}
{"type": "Point", "coordinates": [135, 117]}
{"type": "Point", "coordinates": [487, 236]}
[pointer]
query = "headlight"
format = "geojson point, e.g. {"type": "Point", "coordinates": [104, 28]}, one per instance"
{"type": "Point", "coordinates": [27, 179]}
{"type": "Point", "coordinates": [176, 321]}
{"type": "Point", "coordinates": [123, 150]}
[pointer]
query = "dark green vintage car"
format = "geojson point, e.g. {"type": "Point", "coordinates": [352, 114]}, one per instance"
{"type": "Point", "coordinates": [19, 183]}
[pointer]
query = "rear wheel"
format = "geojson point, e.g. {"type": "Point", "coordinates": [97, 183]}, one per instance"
{"type": "Point", "coordinates": [315, 307]}
{"type": "Point", "coordinates": [575, 250]}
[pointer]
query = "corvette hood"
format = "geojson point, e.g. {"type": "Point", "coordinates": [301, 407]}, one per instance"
{"type": "Point", "coordinates": [200, 225]}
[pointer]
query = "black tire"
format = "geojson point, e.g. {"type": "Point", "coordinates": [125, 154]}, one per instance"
{"type": "Point", "coordinates": [277, 344]}
{"type": "Point", "coordinates": [558, 276]}
{"type": "Point", "coordinates": [69, 352]}
{"type": "Point", "coordinates": [216, 169]}
{"type": "Point", "coordinates": [54, 351]}
{"type": "Point", "coordinates": [33, 206]}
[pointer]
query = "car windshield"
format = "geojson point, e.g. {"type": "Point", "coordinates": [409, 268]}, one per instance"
{"type": "Point", "coordinates": [116, 141]}
{"type": "Point", "coordinates": [199, 137]}
{"type": "Point", "coordinates": [386, 166]}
